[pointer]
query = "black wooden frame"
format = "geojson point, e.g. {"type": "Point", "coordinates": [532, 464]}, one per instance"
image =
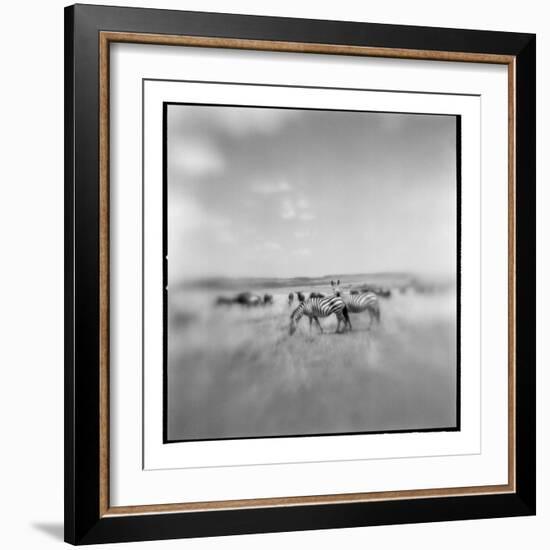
{"type": "Point", "coordinates": [83, 524]}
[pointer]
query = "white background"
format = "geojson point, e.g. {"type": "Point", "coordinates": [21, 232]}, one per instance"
{"type": "Point", "coordinates": [31, 289]}
{"type": "Point", "coordinates": [190, 454]}
{"type": "Point", "coordinates": [129, 483]}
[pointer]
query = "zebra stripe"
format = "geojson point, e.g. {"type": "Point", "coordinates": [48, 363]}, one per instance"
{"type": "Point", "coordinates": [320, 307]}
{"type": "Point", "coordinates": [368, 301]}
{"type": "Point", "coordinates": [357, 303]}
{"type": "Point", "coordinates": [360, 302]}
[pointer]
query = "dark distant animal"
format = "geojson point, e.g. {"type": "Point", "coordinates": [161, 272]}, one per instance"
{"type": "Point", "coordinates": [301, 296]}
{"type": "Point", "coordinates": [290, 298]}
{"type": "Point", "coordinates": [247, 299]}
{"type": "Point", "coordinates": [224, 301]}
{"type": "Point", "coordinates": [379, 291]}
{"type": "Point", "coordinates": [268, 299]}
{"type": "Point", "coordinates": [316, 295]}
{"type": "Point", "coordinates": [254, 300]}
{"type": "Point", "coordinates": [358, 303]}
{"type": "Point", "coordinates": [313, 308]}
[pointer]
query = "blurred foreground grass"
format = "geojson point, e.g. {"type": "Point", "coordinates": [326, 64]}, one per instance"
{"type": "Point", "coordinates": [235, 372]}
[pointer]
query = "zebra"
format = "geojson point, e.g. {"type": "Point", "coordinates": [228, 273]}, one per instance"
{"type": "Point", "coordinates": [313, 308]}
{"type": "Point", "coordinates": [317, 295]}
{"type": "Point", "coordinates": [268, 299]}
{"type": "Point", "coordinates": [301, 296]}
{"type": "Point", "coordinates": [357, 303]}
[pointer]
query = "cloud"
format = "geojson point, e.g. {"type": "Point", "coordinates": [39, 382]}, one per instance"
{"type": "Point", "coordinates": [271, 245]}
{"type": "Point", "coordinates": [302, 203]}
{"type": "Point", "coordinates": [186, 215]}
{"type": "Point", "coordinates": [266, 247]}
{"type": "Point", "coordinates": [197, 158]}
{"type": "Point", "coordinates": [271, 188]}
{"type": "Point", "coordinates": [296, 208]}
{"type": "Point", "coordinates": [226, 237]}
{"type": "Point", "coordinates": [288, 209]}
{"type": "Point", "coordinates": [303, 234]}
{"type": "Point", "coordinates": [302, 252]}
{"type": "Point", "coordinates": [306, 216]}
{"type": "Point", "coordinates": [250, 121]}
{"type": "Point", "coordinates": [236, 122]}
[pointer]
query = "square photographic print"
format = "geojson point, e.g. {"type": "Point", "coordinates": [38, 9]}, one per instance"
{"type": "Point", "coordinates": [311, 271]}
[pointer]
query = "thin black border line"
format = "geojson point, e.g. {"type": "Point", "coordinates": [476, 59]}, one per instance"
{"type": "Point", "coordinates": [303, 462]}
{"type": "Point", "coordinates": [306, 87]}
{"type": "Point", "coordinates": [165, 439]}
{"type": "Point", "coordinates": [165, 252]}
{"type": "Point", "coordinates": [143, 277]}
{"type": "Point", "coordinates": [480, 277]}
{"type": "Point", "coordinates": [164, 272]}
{"type": "Point", "coordinates": [458, 388]}
{"type": "Point", "coordinates": [324, 109]}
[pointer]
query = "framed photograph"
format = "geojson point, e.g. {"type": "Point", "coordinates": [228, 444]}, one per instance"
{"type": "Point", "coordinates": [300, 274]}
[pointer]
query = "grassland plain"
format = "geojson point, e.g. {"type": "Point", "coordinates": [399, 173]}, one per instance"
{"type": "Point", "coordinates": [235, 372]}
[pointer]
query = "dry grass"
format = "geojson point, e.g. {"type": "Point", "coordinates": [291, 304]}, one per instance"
{"type": "Point", "coordinates": [236, 372]}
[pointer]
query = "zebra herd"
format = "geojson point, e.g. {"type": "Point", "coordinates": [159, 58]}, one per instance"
{"type": "Point", "coordinates": [339, 304]}
{"type": "Point", "coordinates": [317, 305]}
{"type": "Point", "coordinates": [247, 299]}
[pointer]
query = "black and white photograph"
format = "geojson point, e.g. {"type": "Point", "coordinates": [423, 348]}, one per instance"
{"type": "Point", "coordinates": [312, 272]}
{"type": "Point", "coordinates": [281, 279]}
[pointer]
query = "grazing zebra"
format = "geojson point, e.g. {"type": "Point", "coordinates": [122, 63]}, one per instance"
{"type": "Point", "coordinates": [313, 308]}
{"type": "Point", "coordinates": [316, 295]}
{"type": "Point", "coordinates": [357, 303]}
{"type": "Point", "coordinates": [290, 298]}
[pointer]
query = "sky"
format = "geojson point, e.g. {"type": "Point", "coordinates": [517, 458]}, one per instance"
{"type": "Point", "coordinates": [267, 192]}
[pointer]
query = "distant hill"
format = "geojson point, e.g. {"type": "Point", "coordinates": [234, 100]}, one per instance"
{"type": "Point", "coordinates": [346, 280]}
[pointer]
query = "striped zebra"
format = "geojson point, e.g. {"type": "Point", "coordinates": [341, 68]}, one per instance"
{"type": "Point", "coordinates": [313, 308]}
{"type": "Point", "coordinates": [357, 303]}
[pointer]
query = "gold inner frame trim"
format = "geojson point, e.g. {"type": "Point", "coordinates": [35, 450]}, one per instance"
{"type": "Point", "coordinates": [105, 39]}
